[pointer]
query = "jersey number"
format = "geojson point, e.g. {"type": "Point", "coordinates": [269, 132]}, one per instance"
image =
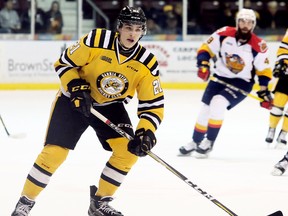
{"type": "Point", "coordinates": [157, 87]}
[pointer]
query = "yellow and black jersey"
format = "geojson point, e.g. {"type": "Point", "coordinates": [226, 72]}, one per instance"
{"type": "Point", "coordinates": [114, 77]}
{"type": "Point", "coordinates": [282, 54]}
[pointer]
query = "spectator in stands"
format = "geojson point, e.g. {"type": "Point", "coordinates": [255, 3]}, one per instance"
{"type": "Point", "coordinates": [171, 26]}
{"type": "Point", "coordinates": [178, 11]}
{"type": "Point", "coordinates": [54, 19]}
{"type": "Point", "coordinates": [226, 17]}
{"type": "Point", "coordinates": [150, 11]}
{"type": "Point", "coordinates": [168, 16]}
{"type": "Point", "coordinates": [9, 18]}
{"type": "Point", "coordinates": [273, 18]}
{"type": "Point", "coordinates": [194, 17]}
{"type": "Point", "coordinates": [40, 18]}
{"type": "Point", "coordinates": [152, 27]}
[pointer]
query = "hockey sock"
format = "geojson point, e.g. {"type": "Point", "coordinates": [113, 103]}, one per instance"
{"type": "Point", "coordinates": [46, 164]}
{"type": "Point", "coordinates": [275, 116]}
{"type": "Point", "coordinates": [116, 168]}
{"type": "Point", "coordinates": [199, 133]}
{"type": "Point", "coordinates": [200, 128]}
{"type": "Point", "coordinates": [214, 127]}
{"type": "Point", "coordinates": [285, 122]}
{"type": "Point", "coordinates": [218, 106]}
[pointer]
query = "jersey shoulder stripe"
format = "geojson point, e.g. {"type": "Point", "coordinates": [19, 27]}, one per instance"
{"type": "Point", "coordinates": [148, 59]}
{"type": "Point", "coordinates": [226, 31]}
{"type": "Point", "coordinates": [258, 44]}
{"type": "Point", "coordinates": [284, 45]}
{"type": "Point", "coordinates": [100, 38]}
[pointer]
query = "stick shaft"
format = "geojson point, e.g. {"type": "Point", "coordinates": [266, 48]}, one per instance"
{"type": "Point", "coordinates": [7, 132]}
{"type": "Point", "coordinates": [235, 88]}
{"type": "Point", "coordinates": [162, 162]}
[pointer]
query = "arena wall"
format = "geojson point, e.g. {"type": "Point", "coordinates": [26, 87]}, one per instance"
{"type": "Point", "coordinates": [29, 64]}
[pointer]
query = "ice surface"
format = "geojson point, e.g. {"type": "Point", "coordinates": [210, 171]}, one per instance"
{"type": "Point", "coordinates": [237, 173]}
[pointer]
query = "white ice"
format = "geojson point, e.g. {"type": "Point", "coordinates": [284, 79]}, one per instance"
{"type": "Point", "coordinates": [237, 173]}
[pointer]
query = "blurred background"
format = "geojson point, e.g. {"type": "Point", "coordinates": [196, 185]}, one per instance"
{"type": "Point", "coordinates": [33, 33]}
{"type": "Point", "coordinates": [179, 20]}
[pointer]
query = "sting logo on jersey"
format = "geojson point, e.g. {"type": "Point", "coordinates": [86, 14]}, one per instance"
{"type": "Point", "coordinates": [112, 84]}
{"type": "Point", "coordinates": [234, 63]}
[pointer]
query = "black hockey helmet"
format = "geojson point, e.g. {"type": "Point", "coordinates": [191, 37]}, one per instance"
{"type": "Point", "coordinates": [132, 15]}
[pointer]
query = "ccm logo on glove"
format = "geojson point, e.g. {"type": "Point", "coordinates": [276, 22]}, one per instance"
{"type": "Point", "coordinates": [143, 142]}
{"type": "Point", "coordinates": [80, 98]}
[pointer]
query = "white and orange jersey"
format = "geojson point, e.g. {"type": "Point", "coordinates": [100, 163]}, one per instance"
{"type": "Point", "coordinates": [233, 59]}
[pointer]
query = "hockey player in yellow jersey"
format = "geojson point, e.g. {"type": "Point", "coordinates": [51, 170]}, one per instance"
{"type": "Point", "coordinates": [280, 96]}
{"type": "Point", "coordinates": [103, 69]}
{"type": "Point", "coordinates": [280, 100]}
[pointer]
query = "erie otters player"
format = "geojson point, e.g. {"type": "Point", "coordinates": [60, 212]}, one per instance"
{"type": "Point", "coordinates": [239, 55]}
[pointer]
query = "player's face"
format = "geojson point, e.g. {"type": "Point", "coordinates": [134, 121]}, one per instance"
{"type": "Point", "coordinates": [245, 25]}
{"type": "Point", "coordinates": [130, 34]}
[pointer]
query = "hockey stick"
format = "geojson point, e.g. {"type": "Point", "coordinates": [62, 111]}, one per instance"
{"type": "Point", "coordinates": [169, 167]}
{"type": "Point", "coordinates": [215, 79]}
{"type": "Point", "coordinates": [162, 162]}
{"type": "Point", "coordinates": [20, 135]}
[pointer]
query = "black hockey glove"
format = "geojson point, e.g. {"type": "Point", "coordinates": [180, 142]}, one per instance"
{"type": "Point", "coordinates": [203, 70]}
{"type": "Point", "coordinates": [80, 98]}
{"type": "Point", "coordinates": [267, 102]}
{"type": "Point", "coordinates": [143, 141]}
{"type": "Point", "coordinates": [280, 69]}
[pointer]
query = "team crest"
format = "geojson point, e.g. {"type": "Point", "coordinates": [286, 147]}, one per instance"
{"type": "Point", "coordinates": [234, 63]}
{"type": "Point", "coordinates": [263, 46]}
{"type": "Point", "coordinates": [112, 84]}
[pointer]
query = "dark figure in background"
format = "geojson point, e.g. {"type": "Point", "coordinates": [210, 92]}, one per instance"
{"type": "Point", "coordinates": [9, 18]}
{"type": "Point", "coordinates": [40, 18]}
{"type": "Point", "coordinates": [54, 19]}
{"type": "Point", "coordinates": [153, 28]}
{"type": "Point", "coordinates": [171, 25]}
{"type": "Point", "coordinates": [169, 15]}
{"type": "Point", "coordinates": [150, 11]}
{"type": "Point", "coordinates": [273, 18]}
{"type": "Point", "coordinates": [226, 17]}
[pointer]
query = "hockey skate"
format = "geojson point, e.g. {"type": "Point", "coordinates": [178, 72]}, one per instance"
{"type": "Point", "coordinates": [99, 205]}
{"type": "Point", "coordinates": [281, 140]}
{"type": "Point", "coordinates": [280, 167]}
{"type": "Point", "coordinates": [187, 149]}
{"type": "Point", "coordinates": [204, 149]}
{"type": "Point", "coordinates": [270, 136]}
{"type": "Point", "coordinates": [23, 207]}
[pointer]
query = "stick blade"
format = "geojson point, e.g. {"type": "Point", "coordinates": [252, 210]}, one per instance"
{"type": "Point", "coordinates": [277, 213]}
{"type": "Point", "coordinates": [17, 136]}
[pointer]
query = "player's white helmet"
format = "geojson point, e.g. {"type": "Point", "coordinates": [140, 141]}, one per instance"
{"type": "Point", "coordinates": [246, 14]}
